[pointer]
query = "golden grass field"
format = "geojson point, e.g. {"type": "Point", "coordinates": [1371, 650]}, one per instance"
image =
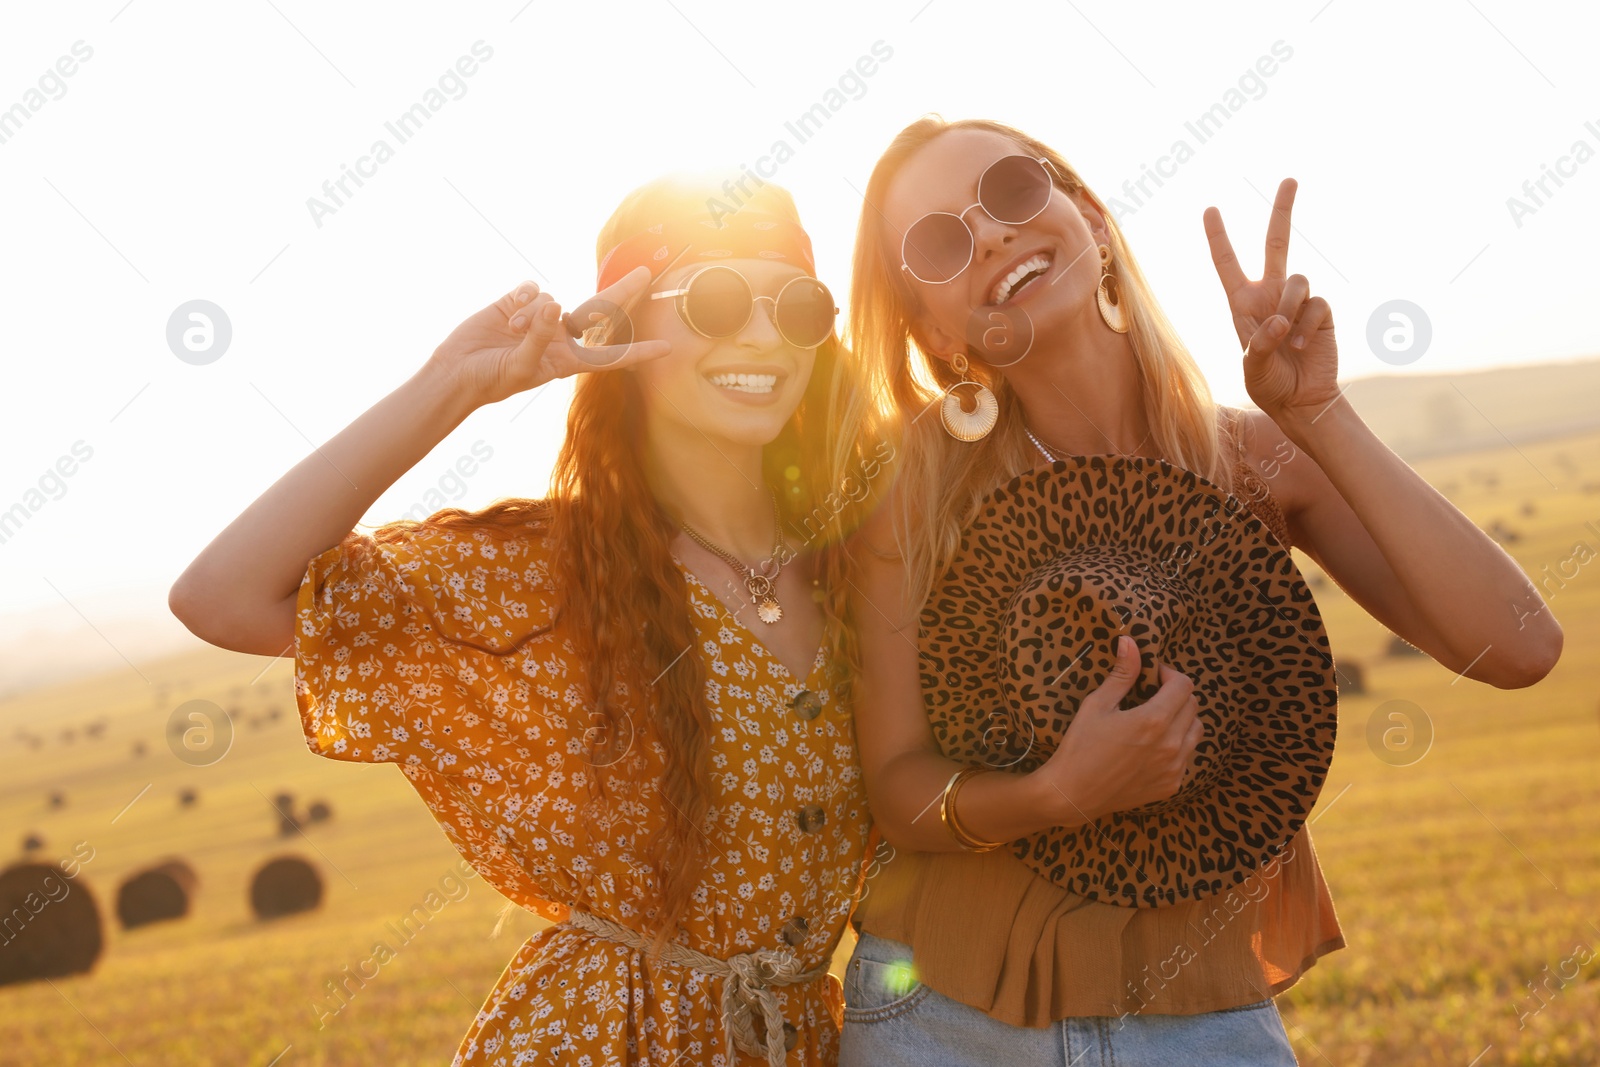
{"type": "Point", "coordinates": [1459, 878]}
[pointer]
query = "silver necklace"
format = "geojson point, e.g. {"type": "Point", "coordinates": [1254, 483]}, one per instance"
{"type": "Point", "coordinates": [1050, 457]}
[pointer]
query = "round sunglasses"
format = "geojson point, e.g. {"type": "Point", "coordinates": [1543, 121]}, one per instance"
{"type": "Point", "coordinates": [716, 301]}
{"type": "Point", "coordinates": [939, 246]}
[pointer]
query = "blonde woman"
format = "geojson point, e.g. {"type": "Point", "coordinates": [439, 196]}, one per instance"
{"type": "Point", "coordinates": [983, 259]}
{"type": "Point", "coordinates": [619, 700]}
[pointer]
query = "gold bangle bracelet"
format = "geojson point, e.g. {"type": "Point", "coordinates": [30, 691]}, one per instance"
{"type": "Point", "coordinates": [966, 836]}
{"type": "Point", "coordinates": [947, 813]}
{"type": "Point", "coordinates": [944, 806]}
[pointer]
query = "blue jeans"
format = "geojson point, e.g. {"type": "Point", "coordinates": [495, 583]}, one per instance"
{"type": "Point", "coordinates": [891, 1019]}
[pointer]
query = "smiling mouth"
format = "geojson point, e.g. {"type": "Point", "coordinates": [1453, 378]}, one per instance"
{"type": "Point", "coordinates": [745, 383]}
{"type": "Point", "coordinates": [1025, 274]}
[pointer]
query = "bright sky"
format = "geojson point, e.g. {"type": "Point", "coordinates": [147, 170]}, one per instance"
{"type": "Point", "coordinates": [174, 163]}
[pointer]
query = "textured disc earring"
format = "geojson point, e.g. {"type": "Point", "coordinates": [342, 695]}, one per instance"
{"type": "Point", "coordinates": [960, 423]}
{"type": "Point", "coordinates": [1109, 295]}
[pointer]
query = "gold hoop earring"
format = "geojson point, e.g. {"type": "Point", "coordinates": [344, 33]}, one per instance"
{"type": "Point", "coordinates": [1109, 295]}
{"type": "Point", "coordinates": [960, 423]}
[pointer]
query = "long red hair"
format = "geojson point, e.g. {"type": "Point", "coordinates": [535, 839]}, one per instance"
{"type": "Point", "coordinates": [619, 592]}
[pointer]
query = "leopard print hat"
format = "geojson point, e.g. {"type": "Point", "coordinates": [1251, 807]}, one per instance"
{"type": "Point", "coordinates": [1061, 561]}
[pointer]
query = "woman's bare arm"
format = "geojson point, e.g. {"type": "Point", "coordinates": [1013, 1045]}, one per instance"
{"type": "Point", "coordinates": [1406, 554]}
{"type": "Point", "coordinates": [239, 593]}
{"type": "Point", "coordinates": [1110, 759]}
{"type": "Point", "coordinates": [1402, 550]}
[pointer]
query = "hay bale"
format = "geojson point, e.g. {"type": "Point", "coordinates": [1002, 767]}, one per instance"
{"type": "Point", "coordinates": [285, 886]}
{"type": "Point", "coordinates": [32, 842]}
{"type": "Point", "coordinates": [1351, 677]}
{"type": "Point", "coordinates": [96, 728]}
{"type": "Point", "coordinates": [138, 748]}
{"type": "Point", "coordinates": [319, 811]}
{"type": "Point", "coordinates": [1399, 646]}
{"type": "Point", "coordinates": [288, 821]}
{"type": "Point", "coordinates": [58, 801]}
{"type": "Point", "coordinates": [188, 798]}
{"type": "Point", "coordinates": [49, 924]}
{"type": "Point", "coordinates": [156, 894]}
{"type": "Point", "coordinates": [1503, 533]}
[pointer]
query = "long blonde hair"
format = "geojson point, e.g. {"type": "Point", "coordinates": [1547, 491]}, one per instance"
{"type": "Point", "coordinates": [940, 480]}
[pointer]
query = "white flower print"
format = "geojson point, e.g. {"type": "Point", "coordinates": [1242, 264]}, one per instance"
{"type": "Point", "coordinates": [387, 670]}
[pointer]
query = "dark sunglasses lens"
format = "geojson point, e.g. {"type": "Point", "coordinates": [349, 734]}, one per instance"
{"type": "Point", "coordinates": [937, 247]}
{"type": "Point", "coordinates": [1014, 189]}
{"type": "Point", "coordinates": [805, 312]}
{"type": "Point", "coordinates": [718, 302]}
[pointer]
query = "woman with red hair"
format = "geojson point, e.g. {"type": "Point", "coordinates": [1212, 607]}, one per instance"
{"type": "Point", "coordinates": [623, 701]}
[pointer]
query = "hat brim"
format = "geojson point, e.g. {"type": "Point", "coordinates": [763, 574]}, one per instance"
{"type": "Point", "coordinates": [1057, 563]}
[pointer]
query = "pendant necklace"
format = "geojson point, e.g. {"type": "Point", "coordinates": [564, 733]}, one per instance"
{"type": "Point", "coordinates": [759, 584]}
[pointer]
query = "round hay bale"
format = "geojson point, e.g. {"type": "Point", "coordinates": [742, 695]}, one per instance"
{"type": "Point", "coordinates": [49, 922]}
{"type": "Point", "coordinates": [138, 748]}
{"type": "Point", "coordinates": [58, 800]}
{"type": "Point", "coordinates": [1399, 646]}
{"type": "Point", "coordinates": [288, 824]}
{"type": "Point", "coordinates": [1503, 533]}
{"type": "Point", "coordinates": [32, 843]}
{"type": "Point", "coordinates": [187, 798]}
{"type": "Point", "coordinates": [284, 886]}
{"type": "Point", "coordinates": [1352, 679]}
{"type": "Point", "coordinates": [284, 802]}
{"type": "Point", "coordinates": [156, 894]}
{"type": "Point", "coordinates": [319, 811]}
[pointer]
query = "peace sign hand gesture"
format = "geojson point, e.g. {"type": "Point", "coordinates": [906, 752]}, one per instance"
{"type": "Point", "coordinates": [522, 341]}
{"type": "Point", "coordinates": [1291, 359]}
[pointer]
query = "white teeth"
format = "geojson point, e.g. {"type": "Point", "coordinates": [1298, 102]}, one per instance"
{"type": "Point", "coordinates": [745, 383]}
{"type": "Point", "coordinates": [1002, 289]}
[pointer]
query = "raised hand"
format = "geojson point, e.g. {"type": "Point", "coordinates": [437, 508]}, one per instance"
{"type": "Point", "coordinates": [520, 342]}
{"type": "Point", "coordinates": [1291, 359]}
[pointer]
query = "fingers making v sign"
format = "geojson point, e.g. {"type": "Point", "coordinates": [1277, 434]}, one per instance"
{"type": "Point", "coordinates": [1291, 359]}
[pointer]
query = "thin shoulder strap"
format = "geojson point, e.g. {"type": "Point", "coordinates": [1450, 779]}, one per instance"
{"type": "Point", "coordinates": [1236, 433]}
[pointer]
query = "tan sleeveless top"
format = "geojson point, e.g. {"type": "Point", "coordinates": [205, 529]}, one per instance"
{"type": "Point", "coordinates": [988, 932]}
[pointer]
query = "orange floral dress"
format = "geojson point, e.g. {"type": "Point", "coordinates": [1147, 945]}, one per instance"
{"type": "Point", "coordinates": [494, 744]}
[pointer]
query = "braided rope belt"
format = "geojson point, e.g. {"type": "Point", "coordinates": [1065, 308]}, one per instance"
{"type": "Point", "coordinates": [749, 978]}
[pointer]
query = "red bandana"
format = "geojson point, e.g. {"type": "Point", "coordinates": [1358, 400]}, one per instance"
{"type": "Point", "coordinates": [740, 235]}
